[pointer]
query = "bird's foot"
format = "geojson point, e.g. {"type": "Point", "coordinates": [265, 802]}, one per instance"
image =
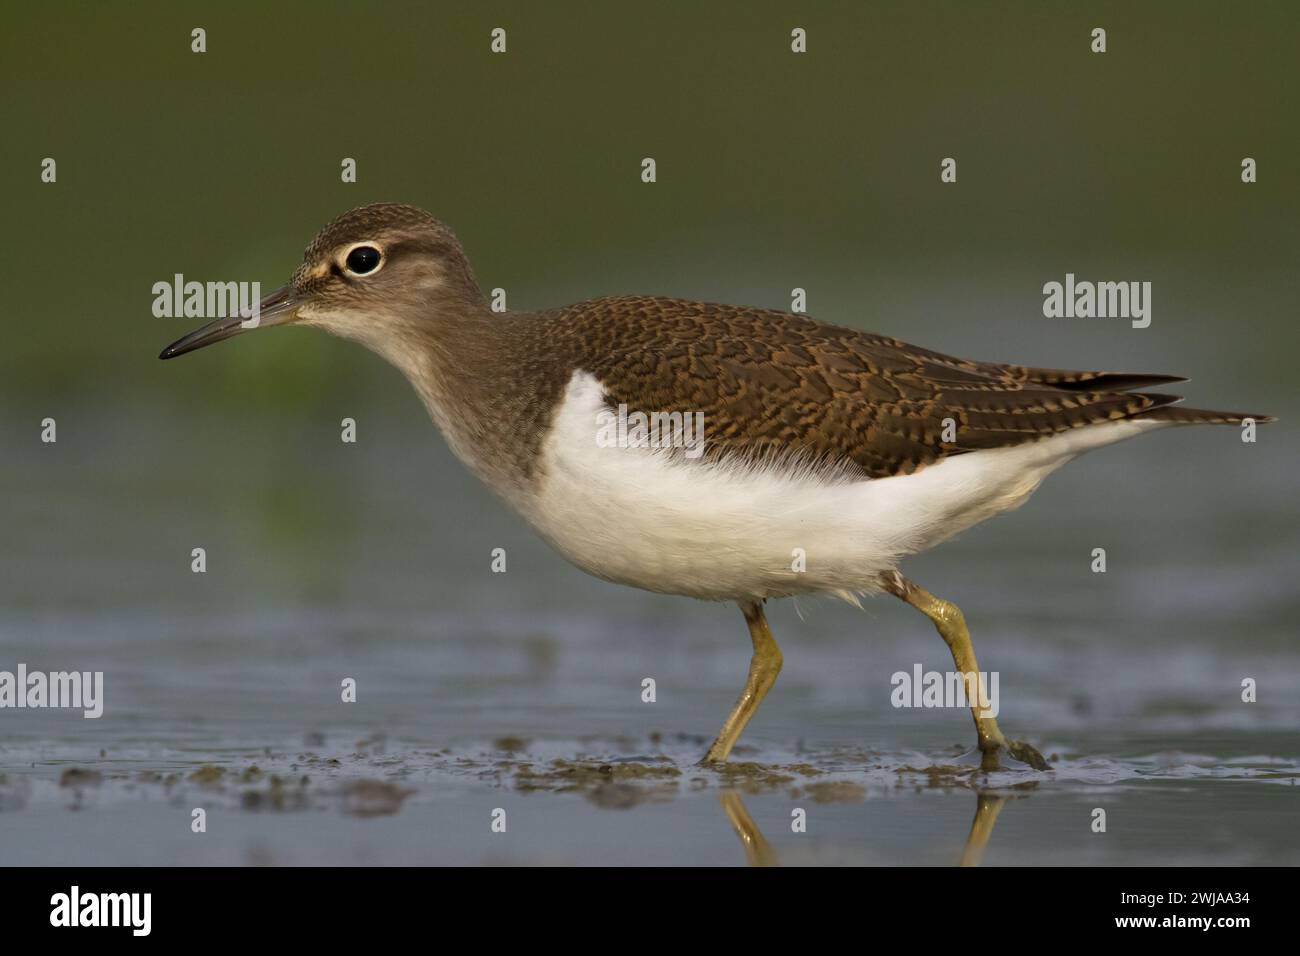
{"type": "Point", "coordinates": [1019, 750]}
{"type": "Point", "coordinates": [1015, 749]}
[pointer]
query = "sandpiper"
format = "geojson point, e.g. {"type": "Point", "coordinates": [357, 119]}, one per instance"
{"type": "Point", "coordinates": [846, 450]}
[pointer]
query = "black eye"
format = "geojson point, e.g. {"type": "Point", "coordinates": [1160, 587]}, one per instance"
{"type": "Point", "coordinates": [363, 259]}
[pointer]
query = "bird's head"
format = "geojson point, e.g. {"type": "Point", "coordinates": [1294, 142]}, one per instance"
{"type": "Point", "coordinates": [379, 274]}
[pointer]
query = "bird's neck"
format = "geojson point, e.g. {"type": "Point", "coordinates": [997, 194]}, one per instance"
{"type": "Point", "coordinates": [463, 366]}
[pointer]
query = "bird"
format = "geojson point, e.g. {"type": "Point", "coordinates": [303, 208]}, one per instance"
{"type": "Point", "coordinates": [847, 450]}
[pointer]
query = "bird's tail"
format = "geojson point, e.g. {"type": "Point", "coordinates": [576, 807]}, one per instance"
{"type": "Point", "coordinates": [1161, 407]}
{"type": "Point", "coordinates": [1177, 414]}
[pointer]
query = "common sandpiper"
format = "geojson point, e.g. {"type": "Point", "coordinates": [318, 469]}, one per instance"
{"type": "Point", "coordinates": [846, 450]}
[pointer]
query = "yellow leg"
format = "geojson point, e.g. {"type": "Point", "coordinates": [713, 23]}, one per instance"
{"type": "Point", "coordinates": [951, 625]}
{"type": "Point", "coordinates": [763, 668]}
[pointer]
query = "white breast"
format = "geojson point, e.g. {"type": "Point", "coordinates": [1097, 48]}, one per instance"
{"type": "Point", "coordinates": [654, 520]}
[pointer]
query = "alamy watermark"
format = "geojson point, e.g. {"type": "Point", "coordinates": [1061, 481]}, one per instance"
{"type": "Point", "coordinates": [1101, 300]}
{"type": "Point", "coordinates": [622, 429]}
{"type": "Point", "coordinates": [77, 690]}
{"type": "Point", "coordinates": [950, 689]}
{"type": "Point", "coordinates": [130, 910]}
{"type": "Point", "coordinates": [208, 300]}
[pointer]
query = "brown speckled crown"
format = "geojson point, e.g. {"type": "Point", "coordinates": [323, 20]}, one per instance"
{"type": "Point", "coordinates": [381, 217]}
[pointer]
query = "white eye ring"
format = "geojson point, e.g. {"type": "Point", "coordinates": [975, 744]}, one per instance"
{"type": "Point", "coordinates": [349, 267]}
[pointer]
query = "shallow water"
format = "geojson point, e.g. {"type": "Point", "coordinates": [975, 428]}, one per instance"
{"type": "Point", "coordinates": [632, 801]}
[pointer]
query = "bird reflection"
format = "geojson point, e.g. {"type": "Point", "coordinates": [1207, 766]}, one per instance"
{"type": "Point", "coordinates": [987, 807]}
{"type": "Point", "coordinates": [758, 852]}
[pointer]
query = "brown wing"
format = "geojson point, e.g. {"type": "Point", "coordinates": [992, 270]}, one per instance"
{"type": "Point", "coordinates": [773, 383]}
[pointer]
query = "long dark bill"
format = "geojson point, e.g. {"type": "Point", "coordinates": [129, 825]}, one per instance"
{"type": "Point", "coordinates": [276, 308]}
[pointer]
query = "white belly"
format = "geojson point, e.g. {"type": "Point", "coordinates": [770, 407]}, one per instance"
{"type": "Point", "coordinates": [647, 518]}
